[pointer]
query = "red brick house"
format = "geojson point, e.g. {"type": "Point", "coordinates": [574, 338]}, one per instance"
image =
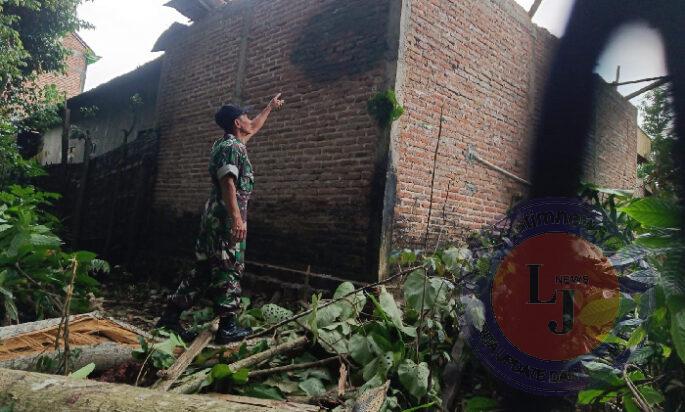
{"type": "Point", "coordinates": [335, 193]}
{"type": "Point", "coordinates": [72, 82]}
{"type": "Point", "coordinates": [333, 190]}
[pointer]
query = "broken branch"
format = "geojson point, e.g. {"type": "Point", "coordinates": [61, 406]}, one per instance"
{"type": "Point", "coordinates": [169, 376]}
{"type": "Point", "coordinates": [307, 312]}
{"type": "Point", "coordinates": [196, 381]}
{"type": "Point", "coordinates": [293, 367]}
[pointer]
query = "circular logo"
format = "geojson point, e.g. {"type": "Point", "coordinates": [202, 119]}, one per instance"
{"type": "Point", "coordinates": [551, 297]}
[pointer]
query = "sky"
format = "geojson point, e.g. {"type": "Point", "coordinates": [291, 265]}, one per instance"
{"type": "Point", "coordinates": [126, 30]}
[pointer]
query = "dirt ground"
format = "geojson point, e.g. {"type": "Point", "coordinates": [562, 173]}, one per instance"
{"type": "Point", "coordinates": [141, 303]}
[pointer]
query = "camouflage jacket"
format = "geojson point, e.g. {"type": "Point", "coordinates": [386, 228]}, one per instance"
{"type": "Point", "coordinates": [229, 157]}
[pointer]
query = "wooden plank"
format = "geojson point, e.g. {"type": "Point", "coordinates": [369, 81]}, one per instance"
{"type": "Point", "coordinates": [647, 88]}
{"type": "Point", "coordinates": [534, 8]}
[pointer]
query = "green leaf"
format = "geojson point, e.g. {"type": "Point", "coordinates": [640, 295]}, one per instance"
{"type": "Point", "coordinates": [334, 339]}
{"type": "Point", "coordinates": [407, 256]}
{"type": "Point", "coordinates": [263, 392]}
{"type": "Point", "coordinates": [313, 387]}
{"type": "Point", "coordinates": [49, 241]}
{"type": "Point", "coordinates": [11, 309]}
{"type": "Point", "coordinates": [601, 372]}
{"type": "Point", "coordinates": [221, 371]}
{"type": "Point", "coordinates": [480, 404]}
{"type": "Point", "coordinates": [588, 396]}
{"type": "Point", "coordinates": [389, 307]}
{"type": "Point", "coordinates": [327, 315]}
{"type": "Point", "coordinates": [474, 310]}
{"type": "Point", "coordinates": [455, 257]}
{"type": "Point", "coordinates": [352, 305]}
{"type": "Point", "coordinates": [283, 383]}
{"type": "Point", "coordinates": [678, 332]}
{"type": "Point", "coordinates": [83, 372]}
{"type": "Point", "coordinates": [372, 369]}
{"type": "Point", "coordinates": [274, 314]}
{"type": "Point", "coordinates": [241, 376]}
{"type": "Point", "coordinates": [655, 212]}
{"type": "Point", "coordinates": [651, 395]}
{"type": "Point", "coordinates": [436, 290]}
{"type": "Point", "coordinates": [641, 355]}
{"type": "Point", "coordinates": [84, 256]}
{"type": "Point", "coordinates": [629, 404]}
{"type": "Point", "coordinates": [637, 336]}
{"type": "Point", "coordinates": [360, 350]}
{"type": "Point", "coordinates": [19, 240]}
{"type": "Point", "coordinates": [413, 377]}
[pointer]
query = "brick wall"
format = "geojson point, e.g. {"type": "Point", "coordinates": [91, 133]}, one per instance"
{"type": "Point", "coordinates": [72, 82]}
{"type": "Point", "coordinates": [482, 63]}
{"type": "Point", "coordinates": [315, 161]}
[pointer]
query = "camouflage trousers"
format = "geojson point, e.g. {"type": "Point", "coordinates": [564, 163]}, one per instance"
{"type": "Point", "coordinates": [218, 280]}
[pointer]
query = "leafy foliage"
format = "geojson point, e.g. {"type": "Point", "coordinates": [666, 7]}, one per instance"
{"type": "Point", "coordinates": [31, 33]}
{"type": "Point", "coordinates": [385, 108]}
{"type": "Point", "coordinates": [401, 334]}
{"type": "Point", "coordinates": [161, 355]}
{"type": "Point", "coordinates": [83, 372]}
{"type": "Point", "coordinates": [649, 335]}
{"type": "Point", "coordinates": [33, 267]}
{"type": "Point", "coordinates": [658, 115]}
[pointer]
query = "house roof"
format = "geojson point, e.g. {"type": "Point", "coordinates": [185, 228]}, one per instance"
{"type": "Point", "coordinates": [169, 37]}
{"type": "Point", "coordinates": [126, 84]}
{"type": "Point", "coordinates": [83, 42]}
{"type": "Point", "coordinates": [195, 9]}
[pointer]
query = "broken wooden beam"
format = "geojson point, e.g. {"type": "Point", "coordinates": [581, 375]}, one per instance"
{"type": "Point", "coordinates": [647, 88]}
{"type": "Point", "coordinates": [534, 8]}
{"type": "Point", "coordinates": [169, 376]}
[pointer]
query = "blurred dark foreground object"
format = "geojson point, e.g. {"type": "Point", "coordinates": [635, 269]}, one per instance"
{"type": "Point", "coordinates": [568, 109]}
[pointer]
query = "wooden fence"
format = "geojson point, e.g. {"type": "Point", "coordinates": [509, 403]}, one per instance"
{"type": "Point", "coordinates": [107, 199]}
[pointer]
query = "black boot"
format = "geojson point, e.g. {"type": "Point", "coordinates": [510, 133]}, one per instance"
{"type": "Point", "coordinates": [229, 331]}
{"type": "Point", "coordinates": [171, 320]}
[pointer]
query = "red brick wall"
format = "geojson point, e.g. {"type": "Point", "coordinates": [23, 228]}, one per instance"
{"type": "Point", "coordinates": [314, 160]}
{"type": "Point", "coordinates": [71, 83]}
{"type": "Point", "coordinates": [483, 63]}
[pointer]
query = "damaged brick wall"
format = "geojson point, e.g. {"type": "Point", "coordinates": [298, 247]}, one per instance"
{"type": "Point", "coordinates": [314, 161]}
{"type": "Point", "coordinates": [483, 64]}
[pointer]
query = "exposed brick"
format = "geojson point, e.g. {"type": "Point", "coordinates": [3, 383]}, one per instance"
{"type": "Point", "coordinates": [485, 63]}
{"type": "Point", "coordinates": [482, 62]}
{"type": "Point", "coordinates": [70, 83]}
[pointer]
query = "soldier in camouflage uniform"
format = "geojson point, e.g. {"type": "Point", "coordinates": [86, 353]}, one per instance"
{"type": "Point", "coordinates": [220, 246]}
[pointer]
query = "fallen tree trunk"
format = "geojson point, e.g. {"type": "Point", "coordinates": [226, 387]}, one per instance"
{"type": "Point", "coordinates": [277, 405]}
{"type": "Point", "coordinates": [104, 356]}
{"type": "Point", "coordinates": [30, 391]}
